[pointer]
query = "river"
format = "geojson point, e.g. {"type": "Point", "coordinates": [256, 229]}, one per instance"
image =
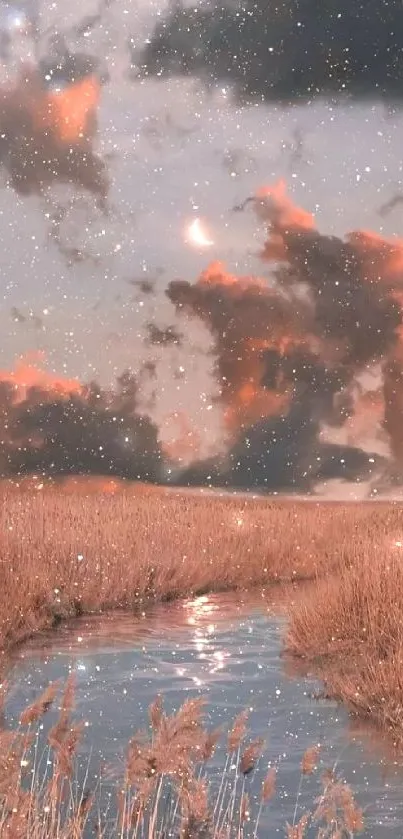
{"type": "Point", "coordinates": [228, 649]}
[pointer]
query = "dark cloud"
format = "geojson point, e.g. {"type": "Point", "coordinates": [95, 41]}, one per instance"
{"type": "Point", "coordinates": [145, 286]}
{"type": "Point", "coordinates": [90, 22]}
{"type": "Point", "coordinates": [33, 146]}
{"type": "Point", "coordinates": [289, 352]}
{"type": "Point", "coordinates": [289, 346]}
{"type": "Point", "coordinates": [283, 51]}
{"type": "Point", "coordinates": [287, 453]}
{"type": "Point", "coordinates": [163, 336]}
{"type": "Point", "coordinates": [56, 431]}
{"type": "Point", "coordinates": [18, 317]}
{"type": "Point", "coordinates": [390, 205]}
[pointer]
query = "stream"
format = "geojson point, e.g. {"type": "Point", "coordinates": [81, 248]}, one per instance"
{"type": "Point", "coordinates": [226, 648]}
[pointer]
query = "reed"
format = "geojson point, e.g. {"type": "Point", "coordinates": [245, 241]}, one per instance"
{"type": "Point", "coordinates": [350, 627]}
{"type": "Point", "coordinates": [89, 546]}
{"type": "Point", "coordinates": [65, 553]}
{"type": "Point", "coordinates": [166, 788]}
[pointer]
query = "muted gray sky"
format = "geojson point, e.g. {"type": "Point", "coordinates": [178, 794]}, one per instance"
{"type": "Point", "coordinates": [175, 152]}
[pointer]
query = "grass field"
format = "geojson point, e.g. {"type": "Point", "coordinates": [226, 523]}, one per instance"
{"type": "Point", "coordinates": [87, 546]}
{"type": "Point", "coordinates": [63, 553]}
{"type": "Point", "coordinates": [350, 627]}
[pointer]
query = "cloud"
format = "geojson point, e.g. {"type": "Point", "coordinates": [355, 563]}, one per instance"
{"type": "Point", "coordinates": [290, 350]}
{"type": "Point", "coordinates": [55, 427]}
{"type": "Point", "coordinates": [283, 52]}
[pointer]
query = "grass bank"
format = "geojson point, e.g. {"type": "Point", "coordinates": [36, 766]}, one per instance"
{"type": "Point", "coordinates": [351, 629]}
{"type": "Point", "coordinates": [89, 547]}
{"type": "Point", "coordinates": [64, 553]}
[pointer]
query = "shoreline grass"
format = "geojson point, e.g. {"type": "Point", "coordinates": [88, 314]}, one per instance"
{"type": "Point", "coordinates": [81, 549]}
{"type": "Point", "coordinates": [68, 551]}
{"type": "Point", "coordinates": [350, 629]}
{"type": "Point", "coordinates": [63, 554]}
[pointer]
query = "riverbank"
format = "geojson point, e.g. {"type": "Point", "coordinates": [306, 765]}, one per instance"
{"type": "Point", "coordinates": [350, 629]}
{"type": "Point", "coordinates": [64, 554]}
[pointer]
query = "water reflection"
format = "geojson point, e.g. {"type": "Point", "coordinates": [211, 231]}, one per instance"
{"type": "Point", "coordinates": [227, 649]}
{"type": "Point", "coordinates": [199, 612]}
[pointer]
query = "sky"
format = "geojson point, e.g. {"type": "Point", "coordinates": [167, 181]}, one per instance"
{"type": "Point", "coordinates": [176, 148]}
{"type": "Point", "coordinates": [175, 151]}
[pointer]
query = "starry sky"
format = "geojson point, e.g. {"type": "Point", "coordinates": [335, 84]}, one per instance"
{"type": "Point", "coordinates": [175, 150]}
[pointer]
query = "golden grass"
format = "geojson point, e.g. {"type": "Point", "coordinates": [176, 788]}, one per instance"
{"type": "Point", "coordinates": [79, 485]}
{"type": "Point", "coordinates": [350, 626]}
{"type": "Point", "coordinates": [79, 547]}
{"type": "Point", "coordinates": [63, 554]}
{"type": "Point", "coordinates": [165, 789]}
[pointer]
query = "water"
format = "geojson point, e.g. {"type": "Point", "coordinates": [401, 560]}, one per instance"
{"type": "Point", "coordinates": [225, 648]}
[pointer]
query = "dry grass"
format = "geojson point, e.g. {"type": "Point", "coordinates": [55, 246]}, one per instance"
{"type": "Point", "coordinates": [63, 554]}
{"type": "Point", "coordinates": [165, 789]}
{"type": "Point", "coordinates": [79, 485]}
{"type": "Point", "coordinates": [351, 627]}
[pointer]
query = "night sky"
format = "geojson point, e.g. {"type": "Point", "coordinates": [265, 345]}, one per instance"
{"type": "Point", "coordinates": [177, 149]}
